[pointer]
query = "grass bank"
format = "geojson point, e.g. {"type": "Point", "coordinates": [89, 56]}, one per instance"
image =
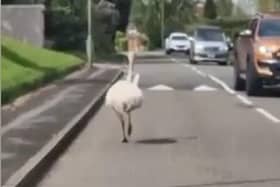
{"type": "Point", "coordinates": [25, 67]}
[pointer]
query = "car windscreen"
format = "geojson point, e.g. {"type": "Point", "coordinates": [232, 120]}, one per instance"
{"type": "Point", "coordinates": [209, 35]}
{"type": "Point", "coordinates": [269, 28]}
{"type": "Point", "coordinates": [179, 38]}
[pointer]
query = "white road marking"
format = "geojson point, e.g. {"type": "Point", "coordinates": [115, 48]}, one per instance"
{"type": "Point", "coordinates": [221, 83]}
{"type": "Point", "coordinates": [204, 88]}
{"type": "Point", "coordinates": [245, 100]}
{"type": "Point", "coordinates": [268, 115]}
{"type": "Point", "coordinates": [198, 71]}
{"type": "Point", "coordinates": [161, 87]}
{"type": "Point", "coordinates": [173, 59]}
{"type": "Point", "coordinates": [38, 110]}
{"type": "Point", "coordinates": [201, 73]}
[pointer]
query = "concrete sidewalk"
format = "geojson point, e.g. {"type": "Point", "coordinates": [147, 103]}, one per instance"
{"type": "Point", "coordinates": [32, 124]}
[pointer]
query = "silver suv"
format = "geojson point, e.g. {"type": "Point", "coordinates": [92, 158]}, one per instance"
{"type": "Point", "coordinates": [209, 44]}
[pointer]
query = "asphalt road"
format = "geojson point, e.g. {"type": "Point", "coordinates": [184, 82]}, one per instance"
{"type": "Point", "coordinates": [192, 131]}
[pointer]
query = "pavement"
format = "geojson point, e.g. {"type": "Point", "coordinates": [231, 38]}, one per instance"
{"type": "Point", "coordinates": [192, 131]}
{"type": "Point", "coordinates": [33, 124]}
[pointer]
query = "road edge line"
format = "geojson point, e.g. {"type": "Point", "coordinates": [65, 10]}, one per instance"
{"type": "Point", "coordinates": [33, 169]}
{"type": "Point", "coordinates": [268, 115]}
{"type": "Point", "coordinates": [243, 99]}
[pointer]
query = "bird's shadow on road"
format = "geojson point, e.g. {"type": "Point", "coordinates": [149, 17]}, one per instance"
{"type": "Point", "coordinates": [159, 141]}
{"type": "Point", "coordinates": [164, 141]}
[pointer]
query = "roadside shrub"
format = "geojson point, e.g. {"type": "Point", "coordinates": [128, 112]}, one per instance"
{"type": "Point", "coordinates": [120, 42]}
{"type": "Point", "coordinates": [67, 31]}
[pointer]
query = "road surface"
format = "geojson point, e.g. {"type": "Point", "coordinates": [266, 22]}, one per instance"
{"type": "Point", "coordinates": [193, 131]}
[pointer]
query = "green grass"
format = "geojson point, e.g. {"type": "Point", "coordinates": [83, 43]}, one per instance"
{"type": "Point", "coordinates": [25, 67]}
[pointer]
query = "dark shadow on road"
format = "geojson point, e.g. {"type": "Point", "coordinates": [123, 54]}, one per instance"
{"type": "Point", "coordinates": [150, 57]}
{"type": "Point", "coordinates": [158, 61]}
{"type": "Point", "coordinates": [159, 141]}
{"type": "Point", "coordinates": [230, 183]}
{"type": "Point", "coordinates": [82, 81]}
{"type": "Point", "coordinates": [269, 92]}
{"type": "Point", "coordinates": [211, 64]}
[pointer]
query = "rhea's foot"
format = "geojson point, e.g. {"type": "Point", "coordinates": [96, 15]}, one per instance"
{"type": "Point", "coordinates": [124, 140]}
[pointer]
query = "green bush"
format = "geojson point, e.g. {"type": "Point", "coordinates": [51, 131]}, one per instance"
{"type": "Point", "coordinates": [120, 42]}
{"type": "Point", "coordinates": [67, 31]}
{"type": "Point", "coordinates": [210, 9]}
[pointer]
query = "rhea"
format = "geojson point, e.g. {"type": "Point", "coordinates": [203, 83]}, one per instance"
{"type": "Point", "coordinates": [124, 97]}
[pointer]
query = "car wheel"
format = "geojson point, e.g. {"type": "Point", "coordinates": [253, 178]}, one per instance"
{"type": "Point", "coordinates": [193, 61]}
{"type": "Point", "coordinates": [239, 83]}
{"type": "Point", "coordinates": [253, 82]}
{"type": "Point", "coordinates": [222, 63]}
{"type": "Point", "coordinates": [168, 52]}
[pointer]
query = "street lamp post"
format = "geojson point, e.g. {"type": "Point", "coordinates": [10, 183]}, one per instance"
{"type": "Point", "coordinates": [89, 37]}
{"type": "Point", "coordinates": [162, 23]}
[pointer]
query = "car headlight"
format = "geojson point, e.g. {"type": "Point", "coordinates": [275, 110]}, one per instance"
{"type": "Point", "coordinates": [264, 50]}
{"type": "Point", "coordinates": [198, 47]}
{"type": "Point", "coordinates": [224, 48]}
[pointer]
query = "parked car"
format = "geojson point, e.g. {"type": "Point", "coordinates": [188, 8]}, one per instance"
{"type": "Point", "coordinates": [177, 42]}
{"type": "Point", "coordinates": [209, 44]}
{"type": "Point", "coordinates": [257, 54]}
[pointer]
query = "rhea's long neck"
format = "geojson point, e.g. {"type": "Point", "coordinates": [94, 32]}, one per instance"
{"type": "Point", "coordinates": [130, 71]}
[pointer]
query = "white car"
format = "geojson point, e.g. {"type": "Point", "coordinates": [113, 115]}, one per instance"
{"type": "Point", "coordinates": [177, 42]}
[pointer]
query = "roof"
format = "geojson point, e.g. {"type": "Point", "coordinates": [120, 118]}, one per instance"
{"type": "Point", "coordinates": [178, 33]}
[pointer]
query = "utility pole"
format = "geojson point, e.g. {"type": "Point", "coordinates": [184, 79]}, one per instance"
{"type": "Point", "coordinates": [89, 38]}
{"type": "Point", "coordinates": [162, 23]}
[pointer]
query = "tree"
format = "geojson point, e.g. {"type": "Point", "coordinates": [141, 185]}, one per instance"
{"type": "Point", "coordinates": [147, 16]}
{"type": "Point", "coordinates": [268, 5]}
{"type": "Point", "coordinates": [66, 22]}
{"type": "Point", "coordinates": [224, 8]}
{"type": "Point", "coordinates": [210, 9]}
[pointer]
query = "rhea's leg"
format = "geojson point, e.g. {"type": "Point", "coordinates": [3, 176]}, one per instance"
{"type": "Point", "coordinates": [129, 124]}
{"type": "Point", "coordinates": [121, 118]}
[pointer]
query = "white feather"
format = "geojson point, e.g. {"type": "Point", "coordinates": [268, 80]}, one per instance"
{"type": "Point", "coordinates": [125, 95]}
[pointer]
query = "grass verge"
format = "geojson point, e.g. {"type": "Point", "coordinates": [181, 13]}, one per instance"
{"type": "Point", "coordinates": [25, 67]}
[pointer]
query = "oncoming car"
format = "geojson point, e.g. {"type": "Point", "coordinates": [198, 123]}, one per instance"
{"type": "Point", "coordinates": [257, 54]}
{"type": "Point", "coordinates": [177, 42]}
{"type": "Point", "coordinates": [209, 44]}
